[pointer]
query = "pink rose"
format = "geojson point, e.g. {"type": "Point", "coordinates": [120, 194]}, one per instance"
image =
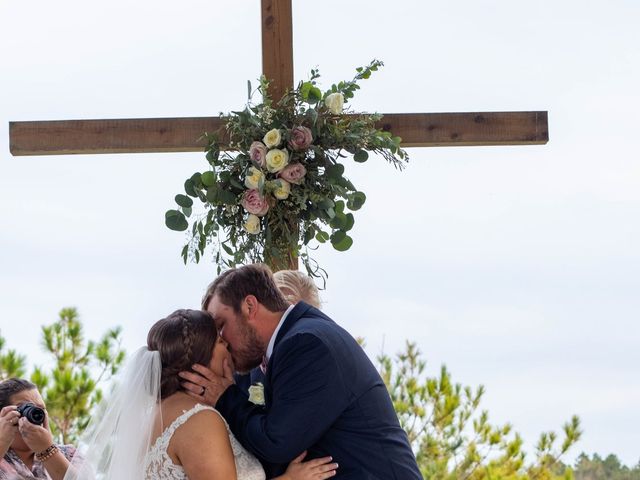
{"type": "Point", "coordinates": [255, 203]}
{"type": "Point", "coordinates": [258, 153]}
{"type": "Point", "coordinates": [301, 138]}
{"type": "Point", "coordinates": [293, 173]}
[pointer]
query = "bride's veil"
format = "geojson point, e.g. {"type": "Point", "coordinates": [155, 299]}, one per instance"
{"type": "Point", "coordinates": [114, 445]}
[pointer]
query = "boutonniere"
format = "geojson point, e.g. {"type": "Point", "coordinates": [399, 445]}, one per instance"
{"type": "Point", "coordinates": [256, 393]}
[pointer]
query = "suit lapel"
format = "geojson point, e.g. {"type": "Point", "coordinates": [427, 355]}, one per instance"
{"type": "Point", "coordinates": [294, 315]}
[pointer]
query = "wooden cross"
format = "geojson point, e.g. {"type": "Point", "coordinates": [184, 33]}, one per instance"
{"type": "Point", "coordinates": [63, 137]}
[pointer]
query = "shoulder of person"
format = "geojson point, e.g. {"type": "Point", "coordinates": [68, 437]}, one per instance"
{"type": "Point", "coordinates": [202, 428]}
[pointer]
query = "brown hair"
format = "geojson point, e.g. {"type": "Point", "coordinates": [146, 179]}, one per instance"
{"type": "Point", "coordinates": [296, 286]}
{"type": "Point", "coordinates": [233, 286]}
{"type": "Point", "coordinates": [183, 338]}
{"type": "Point", "coordinates": [11, 386]}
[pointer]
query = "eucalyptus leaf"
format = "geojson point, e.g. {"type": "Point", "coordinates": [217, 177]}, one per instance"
{"type": "Point", "coordinates": [226, 197]}
{"type": "Point", "coordinates": [339, 221]}
{"type": "Point", "coordinates": [350, 220]}
{"type": "Point", "coordinates": [175, 220]}
{"type": "Point", "coordinates": [189, 188]}
{"type": "Point", "coordinates": [325, 203]}
{"type": "Point", "coordinates": [208, 179]}
{"type": "Point", "coordinates": [334, 171]}
{"type": "Point", "coordinates": [196, 178]}
{"type": "Point", "coordinates": [356, 200]}
{"type": "Point", "coordinates": [236, 184]}
{"type": "Point", "coordinates": [227, 249]}
{"type": "Point", "coordinates": [315, 95]}
{"type": "Point", "coordinates": [341, 241]}
{"type": "Point", "coordinates": [308, 235]}
{"type": "Point", "coordinates": [212, 194]}
{"type": "Point", "coordinates": [322, 237]}
{"type": "Point", "coordinates": [305, 88]}
{"type": "Point", "coordinates": [184, 201]}
{"type": "Point", "coordinates": [361, 156]}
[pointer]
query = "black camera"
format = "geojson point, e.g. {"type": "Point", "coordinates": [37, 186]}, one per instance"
{"type": "Point", "coordinates": [32, 413]}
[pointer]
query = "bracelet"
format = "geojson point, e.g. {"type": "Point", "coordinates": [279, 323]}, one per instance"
{"type": "Point", "coordinates": [48, 453]}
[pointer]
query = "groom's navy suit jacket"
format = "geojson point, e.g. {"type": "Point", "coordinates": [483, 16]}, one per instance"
{"type": "Point", "coordinates": [322, 395]}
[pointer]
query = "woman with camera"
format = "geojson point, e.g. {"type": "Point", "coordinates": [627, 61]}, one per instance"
{"type": "Point", "coordinates": [27, 449]}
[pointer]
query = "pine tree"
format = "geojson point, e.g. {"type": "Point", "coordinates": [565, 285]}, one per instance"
{"type": "Point", "coordinates": [70, 388]}
{"type": "Point", "coordinates": [453, 439]}
{"type": "Point", "coordinates": [11, 363]}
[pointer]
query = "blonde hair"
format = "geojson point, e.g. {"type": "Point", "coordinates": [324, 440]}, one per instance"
{"type": "Point", "coordinates": [296, 286]}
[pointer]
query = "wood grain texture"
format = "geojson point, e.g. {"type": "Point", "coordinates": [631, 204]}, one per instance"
{"type": "Point", "coordinates": [468, 129]}
{"type": "Point", "coordinates": [62, 137]}
{"type": "Point", "coordinates": [277, 46]}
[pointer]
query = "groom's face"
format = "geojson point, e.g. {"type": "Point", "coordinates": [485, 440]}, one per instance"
{"type": "Point", "coordinates": [245, 347]}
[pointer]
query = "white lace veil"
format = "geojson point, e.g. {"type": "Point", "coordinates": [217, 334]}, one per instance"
{"type": "Point", "coordinates": [118, 436]}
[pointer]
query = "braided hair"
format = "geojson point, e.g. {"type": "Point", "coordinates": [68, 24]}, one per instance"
{"type": "Point", "coordinates": [183, 338]}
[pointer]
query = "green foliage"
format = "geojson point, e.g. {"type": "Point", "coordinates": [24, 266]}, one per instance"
{"type": "Point", "coordinates": [610, 468]}
{"type": "Point", "coordinates": [298, 212]}
{"type": "Point", "coordinates": [453, 438]}
{"type": "Point", "coordinates": [11, 363]}
{"type": "Point", "coordinates": [70, 388]}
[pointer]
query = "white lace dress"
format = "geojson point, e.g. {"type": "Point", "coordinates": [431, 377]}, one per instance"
{"type": "Point", "coordinates": [158, 464]}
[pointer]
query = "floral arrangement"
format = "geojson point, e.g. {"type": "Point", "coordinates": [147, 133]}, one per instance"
{"type": "Point", "coordinates": [280, 189]}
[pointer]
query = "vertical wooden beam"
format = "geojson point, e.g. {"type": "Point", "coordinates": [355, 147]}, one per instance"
{"type": "Point", "coordinates": [277, 66]}
{"type": "Point", "coordinates": [277, 46]}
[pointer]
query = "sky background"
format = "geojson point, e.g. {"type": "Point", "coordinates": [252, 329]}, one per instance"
{"type": "Point", "coordinates": [517, 267]}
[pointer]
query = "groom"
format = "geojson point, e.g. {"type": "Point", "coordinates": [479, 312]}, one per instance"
{"type": "Point", "coordinates": [322, 393]}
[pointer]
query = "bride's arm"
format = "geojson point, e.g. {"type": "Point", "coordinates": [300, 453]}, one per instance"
{"type": "Point", "coordinates": [203, 448]}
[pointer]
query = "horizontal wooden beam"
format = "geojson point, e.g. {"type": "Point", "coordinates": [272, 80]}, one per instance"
{"type": "Point", "coordinates": [136, 135]}
{"type": "Point", "coordinates": [63, 137]}
{"type": "Point", "coordinates": [468, 129]}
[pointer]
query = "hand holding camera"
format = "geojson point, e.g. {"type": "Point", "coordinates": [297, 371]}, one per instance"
{"type": "Point", "coordinates": [34, 427]}
{"type": "Point", "coordinates": [9, 417]}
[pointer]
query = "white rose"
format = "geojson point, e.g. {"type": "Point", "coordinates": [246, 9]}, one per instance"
{"type": "Point", "coordinates": [334, 103]}
{"type": "Point", "coordinates": [272, 138]}
{"type": "Point", "coordinates": [277, 160]}
{"type": "Point", "coordinates": [256, 394]}
{"type": "Point", "coordinates": [282, 189]}
{"type": "Point", "coordinates": [252, 224]}
{"type": "Point", "coordinates": [254, 178]}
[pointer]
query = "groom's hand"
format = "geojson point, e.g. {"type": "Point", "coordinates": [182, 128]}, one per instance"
{"type": "Point", "coordinates": [206, 386]}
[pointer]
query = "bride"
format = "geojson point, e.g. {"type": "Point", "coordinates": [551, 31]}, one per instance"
{"type": "Point", "coordinates": [149, 428]}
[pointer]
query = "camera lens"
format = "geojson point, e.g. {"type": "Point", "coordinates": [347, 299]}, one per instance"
{"type": "Point", "coordinates": [32, 413]}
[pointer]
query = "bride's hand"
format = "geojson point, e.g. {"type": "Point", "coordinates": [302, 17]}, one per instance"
{"type": "Point", "coordinates": [317, 469]}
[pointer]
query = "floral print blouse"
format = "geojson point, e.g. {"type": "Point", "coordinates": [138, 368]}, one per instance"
{"type": "Point", "coordinates": [12, 468]}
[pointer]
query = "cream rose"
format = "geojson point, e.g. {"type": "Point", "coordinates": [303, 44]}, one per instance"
{"type": "Point", "coordinates": [258, 152]}
{"type": "Point", "coordinates": [277, 160]}
{"type": "Point", "coordinates": [282, 188]}
{"type": "Point", "coordinates": [252, 224]}
{"type": "Point", "coordinates": [293, 173]}
{"type": "Point", "coordinates": [256, 394]}
{"type": "Point", "coordinates": [254, 178]}
{"type": "Point", "coordinates": [272, 138]}
{"type": "Point", "coordinates": [255, 203]}
{"type": "Point", "coordinates": [335, 103]}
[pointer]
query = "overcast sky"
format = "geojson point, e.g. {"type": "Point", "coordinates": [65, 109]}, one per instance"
{"type": "Point", "coordinates": [517, 267]}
